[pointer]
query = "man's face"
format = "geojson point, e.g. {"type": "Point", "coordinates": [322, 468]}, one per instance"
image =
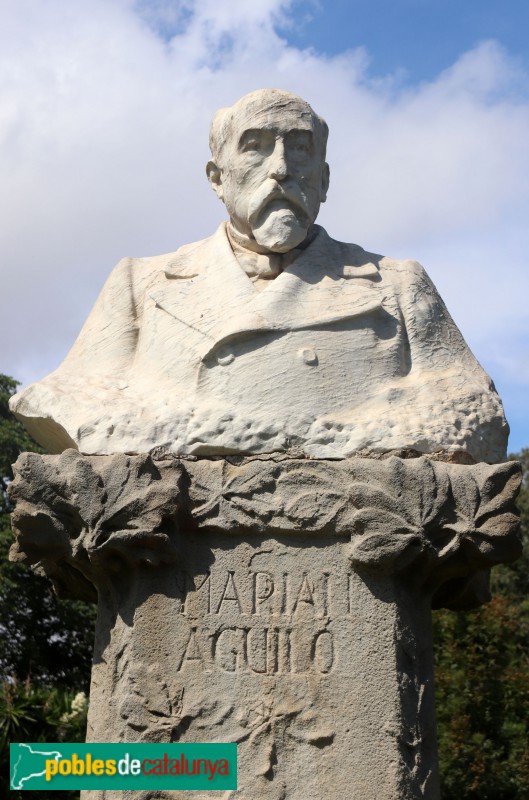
{"type": "Point", "coordinates": [272, 178]}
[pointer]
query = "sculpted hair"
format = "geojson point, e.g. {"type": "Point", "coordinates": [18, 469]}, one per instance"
{"type": "Point", "coordinates": [224, 121]}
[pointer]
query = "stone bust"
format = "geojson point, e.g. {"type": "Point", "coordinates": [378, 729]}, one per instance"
{"type": "Point", "coordinates": [268, 336]}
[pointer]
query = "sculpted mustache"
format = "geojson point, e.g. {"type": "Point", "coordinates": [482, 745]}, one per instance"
{"type": "Point", "coordinates": [268, 193]}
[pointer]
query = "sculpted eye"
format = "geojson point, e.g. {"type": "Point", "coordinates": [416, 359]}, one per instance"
{"type": "Point", "coordinates": [300, 144]}
{"type": "Point", "coordinates": [252, 144]}
{"type": "Point", "coordinates": [256, 141]}
{"type": "Point", "coordinates": [252, 141]}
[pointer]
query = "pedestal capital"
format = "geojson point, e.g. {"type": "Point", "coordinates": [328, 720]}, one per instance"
{"type": "Point", "coordinates": [439, 525]}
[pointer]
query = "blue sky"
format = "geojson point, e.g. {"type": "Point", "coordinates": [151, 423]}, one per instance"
{"type": "Point", "coordinates": [104, 115]}
{"type": "Point", "coordinates": [414, 41]}
{"type": "Point", "coordinates": [418, 38]}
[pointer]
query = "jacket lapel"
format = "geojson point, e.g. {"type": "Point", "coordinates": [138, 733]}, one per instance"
{"type": "Point", "coordinates": [205, 289]}
{"type": "Point", "coordinates": [313, 290]}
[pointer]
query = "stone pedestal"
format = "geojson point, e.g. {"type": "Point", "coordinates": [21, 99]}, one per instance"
{"type": "Point", "coordinates": [280, 603]}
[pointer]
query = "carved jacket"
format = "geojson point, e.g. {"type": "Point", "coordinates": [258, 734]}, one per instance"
{"type": "Point", "coordinates": [344, 352]}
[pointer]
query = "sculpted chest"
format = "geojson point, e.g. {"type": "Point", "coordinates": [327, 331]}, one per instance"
{"type": "Point", "coordinates": [322, 339]}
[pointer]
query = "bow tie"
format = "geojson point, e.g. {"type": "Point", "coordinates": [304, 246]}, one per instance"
{"type": "Point", "coordinates": [264, 266]}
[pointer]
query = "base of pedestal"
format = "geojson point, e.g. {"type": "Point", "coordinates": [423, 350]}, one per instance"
{"type": "Point", "coordinates": [276, 602]}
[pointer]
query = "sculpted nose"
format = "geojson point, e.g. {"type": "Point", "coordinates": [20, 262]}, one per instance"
{"type": "Point", "coordinates": [278, 167]}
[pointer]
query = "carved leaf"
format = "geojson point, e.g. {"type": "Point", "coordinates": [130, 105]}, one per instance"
{"type": "Point", "coordinates": [139, 495]}
{"type": "Point", "coordinates": [455, 519]}
{"type": "Point", "coordinates": [314, 509]}
{"type": "Point", "coordinates": [466, 500]}
{"type": "Point", "coordinates": [396, 501]}
{"type": "Point", "coordinates": [84, 486]}
{"type": "Point", "coordinates": [370, 520]}
{"type": "Point", "coordinates": [311, 498]}
{"type": "Point", "coordinates": [498, 492]}
{"type": "Point", "coordinates": [486, 518]}
{"type": "Point", "coordinates": [78, 510]}
{"type": "Point", "coordinates": [136, 547]}
{"type": "Point", "coordinates": [388, 553]}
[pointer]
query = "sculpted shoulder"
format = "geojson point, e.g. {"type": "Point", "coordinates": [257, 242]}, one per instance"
{"type": "Point", "coordinates": [139, 271]}
{"type": "Point", "coordinates": [403, 270]}
{"type": "Point", "coordinates": [405, 275]}
{"type": "Point", "coordinates": [365, 262]}
{"type": "Point", "coordinates": [391, 268]}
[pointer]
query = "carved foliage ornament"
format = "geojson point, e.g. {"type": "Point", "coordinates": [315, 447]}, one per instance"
{"type": "Point", "coordinates": [441, 526]}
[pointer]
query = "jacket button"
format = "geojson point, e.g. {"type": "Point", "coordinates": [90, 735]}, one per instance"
{"type": "Point", "coordinates": [225, 355]}
{"type": "Point", "coordinates": [308, 355]}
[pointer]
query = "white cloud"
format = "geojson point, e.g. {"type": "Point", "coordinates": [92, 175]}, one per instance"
{"type": "Point", "coordinates": [104, 113]}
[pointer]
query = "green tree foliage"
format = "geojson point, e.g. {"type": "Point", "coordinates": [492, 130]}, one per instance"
{"type": "Point", "coordinates": [482, 685]}
{"type": "Point", "coordinates": [33, 714]}
{"type": "Point", "coordinates": [45, 643]}
{"type": "Point", "coordinates": [43, 639]}
{"type": "Point", "coordinates": [13, 438]}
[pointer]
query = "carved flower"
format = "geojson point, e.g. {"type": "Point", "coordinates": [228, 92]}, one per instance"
{"type": "Point", "coordinates": [270, 721]}
{"type": "Point", "coordinates": [243, 495]}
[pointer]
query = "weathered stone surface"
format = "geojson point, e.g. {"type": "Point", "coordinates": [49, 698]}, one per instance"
{"type": "Point", "coordinates": [438, 522]}
{"type": "Point", "coordinates": [322, 677]}
{"type": "Point", "coordinates": [279, 603]}
{"type": "Point", "coordinates": [277, 592]}
{"type": "Point", "coordinates": [269, 335]}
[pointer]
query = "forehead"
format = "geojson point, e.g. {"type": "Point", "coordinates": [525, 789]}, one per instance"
{"type": "Point", "coordinates": [280, 116]}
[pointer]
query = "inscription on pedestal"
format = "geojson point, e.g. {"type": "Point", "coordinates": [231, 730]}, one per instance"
{"type": "Point", "coordinates": [246, 621]}
{"type": "Point", "coordinates": [223, 618]}
{"type": "Point", "coordinates": [265, 642]}
{"type": "Point", "coordinates": [259, 593]}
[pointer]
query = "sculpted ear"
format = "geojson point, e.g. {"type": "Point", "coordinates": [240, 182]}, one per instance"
{"type": "Point", "coordinates": [215, 178]}
{"type": "Point", "coordinates": [325, 178]}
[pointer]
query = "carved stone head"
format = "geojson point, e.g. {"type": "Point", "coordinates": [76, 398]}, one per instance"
{"type": "Point", "coordinates": [268, 167]}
